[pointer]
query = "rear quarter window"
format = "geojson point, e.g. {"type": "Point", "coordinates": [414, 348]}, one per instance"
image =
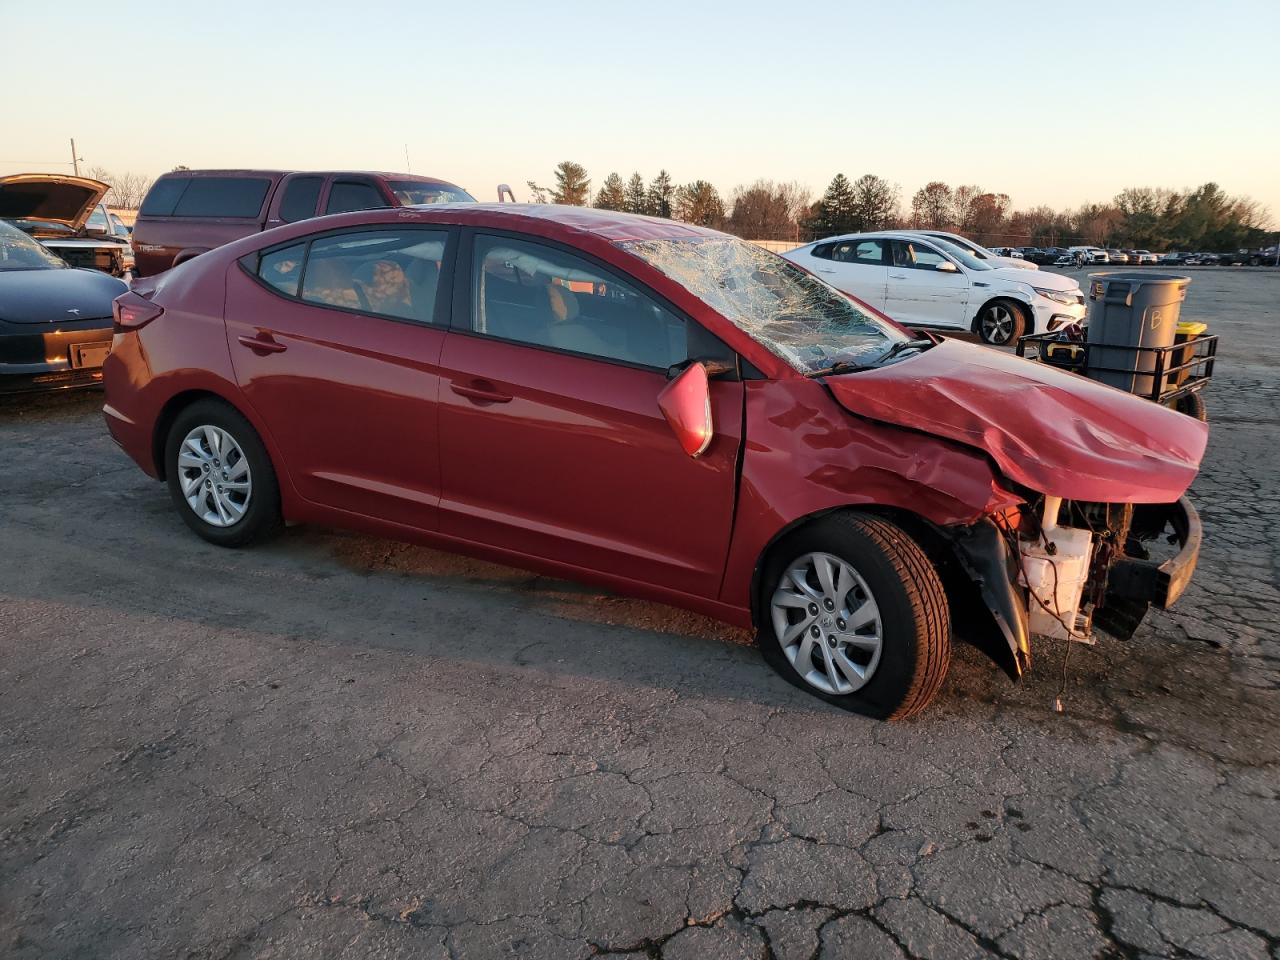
{"type": "Point", "coordinates": [207, 197]}
{"type": "Point", "coordinates": [163, 196]}
{"type": "Point", "coordinates": [223, 197]}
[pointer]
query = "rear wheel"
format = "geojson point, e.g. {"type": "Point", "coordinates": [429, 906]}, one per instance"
{"type": "Point", "coordinates": [852, 611]}
{"type": "Point", "coordinates": [1192, 404]}
{"type": "Point", "coordinates": [1001, 323]}
{"type": "Point", "coordinates": [220, 476]}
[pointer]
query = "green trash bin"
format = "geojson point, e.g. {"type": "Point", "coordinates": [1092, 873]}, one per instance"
{"type": "Point", "coordinates": [1127, 311]}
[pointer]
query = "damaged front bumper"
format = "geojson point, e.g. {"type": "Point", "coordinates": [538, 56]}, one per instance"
{"type": "Point", "coordinates": [1135, 584]}
{"type": "Point", "coordinates": [1132, 584]}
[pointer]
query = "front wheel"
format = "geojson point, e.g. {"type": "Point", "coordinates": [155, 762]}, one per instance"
{"type": "Point", "coordinates": [852, 611]}
{"type": "Point", "coordinates": [1001, 323]}
{"type": "Point", "coordinates": [220, 476]}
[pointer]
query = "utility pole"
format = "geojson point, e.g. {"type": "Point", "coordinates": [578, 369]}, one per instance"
{"type": "Point", "coordinates": [75, 161]}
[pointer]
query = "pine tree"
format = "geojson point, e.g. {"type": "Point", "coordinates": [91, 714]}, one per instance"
{"type": "Point", "coordinates": [613, 194]}
{"type": "Point", "coordinates": [833, 214]}
{"type": "Point", "coordinates": [874, 204]}
{"type": "Point", "coordinates": [699, 202]}
{"type": "Point", "coordinates": [637, 197]}
{"type": "Point", "coordinates": [661, 193]}
{"type": "Point", "coordinates": [573, 186]}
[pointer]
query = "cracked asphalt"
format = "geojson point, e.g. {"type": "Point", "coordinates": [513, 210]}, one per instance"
{"type": "Point", "coordinates": [336, 746]}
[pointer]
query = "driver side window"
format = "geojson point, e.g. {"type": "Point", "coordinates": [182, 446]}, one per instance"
{"type": "Point", "coordinates": [543, 296]}
{"type": "Point", "coordinates": [917, 256]}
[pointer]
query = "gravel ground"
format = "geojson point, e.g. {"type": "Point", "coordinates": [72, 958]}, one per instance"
{"type": "Point", "coordinates": [336, 746]}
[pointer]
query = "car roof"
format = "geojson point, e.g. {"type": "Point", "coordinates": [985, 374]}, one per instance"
{"type": "Point", "coordinates": [876, 234]}
{"type": "Point", "coordinates": [551, 219]}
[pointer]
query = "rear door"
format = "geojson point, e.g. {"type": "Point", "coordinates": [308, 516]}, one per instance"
{"type": "Point", "coordinates": [296, 198]}
{"type": "Point", "coordinates": [552, 444]}
{"type": "Point", "coordinates": [858, 267]}
{"type": "Point", "coordinates": [920, 293]}
{"type": "Point", "coordinates": [336, 342]}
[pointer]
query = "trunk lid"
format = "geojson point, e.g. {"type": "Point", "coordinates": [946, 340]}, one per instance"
{"type": "Point", "coordinates": [1052, 431]}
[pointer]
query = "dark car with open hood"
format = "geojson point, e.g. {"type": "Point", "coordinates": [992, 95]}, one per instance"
{"type": "Point", "coordinates": [55, 319]}
{"type": "Point", "coordinates": [67, 215]}
{"type": "Point", "coordinates": [664, 410]}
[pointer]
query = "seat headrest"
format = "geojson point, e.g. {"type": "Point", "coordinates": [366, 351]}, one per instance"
{"type": "Point", "coordinates": [564, 303]}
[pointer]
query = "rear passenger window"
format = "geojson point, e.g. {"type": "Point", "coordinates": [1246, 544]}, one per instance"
{"type": "Point", "coordinates": [539, 295]}
{"type": "Point", "coordinates": [300, 197]}
{"type": "Point", "coordinates": [395, 273]}
{"type": "Point", "coordinates": [347, 195]}
{"type": "Point", "coordinates": [282, 269]}
{"type": "Point", "coordinates": [859, 251]}
{"type": "Point", "coordinates": [222, 197]}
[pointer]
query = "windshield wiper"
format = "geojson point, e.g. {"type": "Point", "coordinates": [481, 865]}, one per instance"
{"type": "Point", "coordinates": [848, 366]}
{"type": "Point", "coordinates": [902, 346]}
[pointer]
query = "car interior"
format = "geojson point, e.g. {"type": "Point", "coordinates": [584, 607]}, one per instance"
{"type": "Point", "coordinates": [392, 275]}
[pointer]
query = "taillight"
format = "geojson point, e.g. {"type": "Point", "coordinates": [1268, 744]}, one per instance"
{"type": "Point", "coordinates": [132, 312]}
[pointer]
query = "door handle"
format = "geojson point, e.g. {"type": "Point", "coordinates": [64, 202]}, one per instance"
{"type": "Point", "coordinates": [481, 392]}
{"type": "Point", "coordinates": [263, 343]}
{"type": "Point", "coordinates": [897, 276]}
{"type": "Point", "coordinates": [825, 270]}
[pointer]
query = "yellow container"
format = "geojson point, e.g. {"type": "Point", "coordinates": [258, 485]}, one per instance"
{"type": "Point", "coordinates": [1188, 331]}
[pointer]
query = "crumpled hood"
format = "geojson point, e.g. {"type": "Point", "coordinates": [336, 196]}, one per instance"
{"type": "Point", "coordinates": [1049, 430]}
{"type": "Point", "coordinates": [51, 197]}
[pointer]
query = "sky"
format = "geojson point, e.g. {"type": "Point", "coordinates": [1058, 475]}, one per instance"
{"type": "Point", "coordinates": [1054, 103]}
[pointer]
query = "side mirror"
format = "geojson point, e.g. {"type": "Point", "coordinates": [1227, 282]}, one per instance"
{"type": "Point", "coordinates": [686, 403]}
{"type": "Point", "coordinates": [946, 266]}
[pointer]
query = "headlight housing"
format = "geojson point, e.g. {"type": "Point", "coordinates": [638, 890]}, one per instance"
{"type": "Point", "coordinates": [1058, 296]}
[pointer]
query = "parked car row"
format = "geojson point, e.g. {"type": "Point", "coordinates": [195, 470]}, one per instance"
{"type": "Point", "coordinates": [924, 280]}
{"type": "Point", "coordinates": [67, 215]}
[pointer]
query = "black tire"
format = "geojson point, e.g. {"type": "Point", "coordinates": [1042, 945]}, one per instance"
{"type": "Point", "coordinates": [261, 518]}
{"type": "Point", "coordinates": [999, 317]}
{"type": "Point", "coordinates": [1192, 404]}
{"type": "Point", "coordinates": [915, 620]}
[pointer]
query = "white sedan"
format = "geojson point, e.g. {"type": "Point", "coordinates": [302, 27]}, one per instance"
{"type": "Point", "coordinates": [928, 282]}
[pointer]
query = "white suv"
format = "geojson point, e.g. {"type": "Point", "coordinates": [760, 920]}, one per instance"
{"type": "Point", "coordinates": [928, 282]}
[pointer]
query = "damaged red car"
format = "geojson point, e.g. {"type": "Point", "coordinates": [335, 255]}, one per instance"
{"type": "Point", "coordinates": [665, 411]}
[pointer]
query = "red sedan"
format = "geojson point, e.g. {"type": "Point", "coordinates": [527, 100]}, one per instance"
{"type": "Point", "coordinates": [662, 410]}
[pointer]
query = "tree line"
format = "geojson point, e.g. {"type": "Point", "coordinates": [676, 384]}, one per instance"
{"type": "Point", "coordinates": [1154, 218]}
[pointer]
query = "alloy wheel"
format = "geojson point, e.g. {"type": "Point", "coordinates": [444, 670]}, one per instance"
{"type": "Point", "coordinates": [827, 623]}
{"type": "Point", "coordinates": [997, 323]}
{"type": "Point", "coordinates": [214, 475]}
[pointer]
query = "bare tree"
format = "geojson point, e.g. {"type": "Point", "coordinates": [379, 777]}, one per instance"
{"type": "Point", "coordinates": [127, 189]}
{"type": "Point", "coordinates": [766, 210]}
{"type": "Point", "coordinates": [931, 206]}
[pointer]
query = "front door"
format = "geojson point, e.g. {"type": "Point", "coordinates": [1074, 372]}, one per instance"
{"type": "Point", "coordinates": [336, 343]}
{"type": "Point", "coordinates": [552, 444]}
{"type": "Point", "coordinates": [921, 291]}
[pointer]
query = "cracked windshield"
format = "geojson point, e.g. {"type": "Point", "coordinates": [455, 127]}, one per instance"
{"type": "Point", "coordinates": [809, 324]}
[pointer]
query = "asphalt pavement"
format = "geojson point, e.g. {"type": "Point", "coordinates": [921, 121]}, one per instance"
{"type": "Point", "coordinates": [336, 746]}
